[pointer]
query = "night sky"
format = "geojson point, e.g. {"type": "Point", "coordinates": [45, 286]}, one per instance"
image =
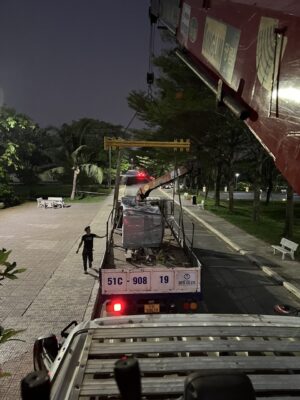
{"type": "Point", "coordinates": [61, 60]}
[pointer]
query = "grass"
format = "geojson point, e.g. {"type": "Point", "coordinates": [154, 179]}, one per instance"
{"type": "Point", "coordinates": [32, 192]}
{"type": "Point", "coordinates": [272, 219]}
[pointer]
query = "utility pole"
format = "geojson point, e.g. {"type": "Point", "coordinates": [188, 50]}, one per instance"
{"type": "Point", "coordinates": [109, 172]}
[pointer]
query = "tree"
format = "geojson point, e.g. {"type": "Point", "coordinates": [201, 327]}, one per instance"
{"type": "Point", "coordinates": [8, 160]}
{"type": "Point", "coordinates": [80, 151]}
{"type": "Point", "coordinates": [184, 108]}
{"type": "Point", "coordinates": [20, 141]}
{"type": "Point", "coordinates": [7, 270]}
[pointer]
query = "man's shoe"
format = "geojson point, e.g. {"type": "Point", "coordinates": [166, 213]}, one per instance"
{"type": "Point", "coordinates": [85, 272]}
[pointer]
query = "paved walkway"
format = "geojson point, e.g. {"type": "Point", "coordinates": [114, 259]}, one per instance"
{"type": "Point", "coordinates": [54, 291]}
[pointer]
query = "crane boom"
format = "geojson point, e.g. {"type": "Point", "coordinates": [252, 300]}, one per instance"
{"type": "Point", "coordinates": [145, 190]}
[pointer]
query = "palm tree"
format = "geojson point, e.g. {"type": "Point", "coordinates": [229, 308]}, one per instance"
{"type": "Point", "coordinates": [80, 159]}
{"type": "Point", "coordinates": [79, 149]}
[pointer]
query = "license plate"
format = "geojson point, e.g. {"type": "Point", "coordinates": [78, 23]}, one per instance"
{"type": "Point", "coordinates": [151, 308]}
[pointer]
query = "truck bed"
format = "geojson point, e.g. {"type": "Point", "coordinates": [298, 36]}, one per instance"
{"type": "Point", "coordinates": [170, 347]}
{"type": "Point", "coordinates": [168, 255]}
{"type": "Point", "coordinates": [164, 269]}
{"type": "Point", "coordinates": [165, 278]}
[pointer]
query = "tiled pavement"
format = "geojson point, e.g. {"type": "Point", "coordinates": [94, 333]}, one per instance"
{"type": "Point", "coordinates": [53, 290]}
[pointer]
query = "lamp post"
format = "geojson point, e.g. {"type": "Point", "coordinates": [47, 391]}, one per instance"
{"type": "Point", "coordinates": [236, 180]}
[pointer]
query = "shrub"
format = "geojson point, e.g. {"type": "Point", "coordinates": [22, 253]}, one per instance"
{"type": "Point", "coordinates": [8, 271]}
{"type": "Point", "coordinates": [8, 196]}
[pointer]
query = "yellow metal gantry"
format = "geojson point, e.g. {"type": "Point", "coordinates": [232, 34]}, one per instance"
{"type": "Point", "coordinates": [111, 143]}
{"type": "Point", "coordinates": [117, 143]}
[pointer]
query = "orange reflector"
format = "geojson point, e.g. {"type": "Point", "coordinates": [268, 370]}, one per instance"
{"type": "Point", "coordinates": [193, 306]}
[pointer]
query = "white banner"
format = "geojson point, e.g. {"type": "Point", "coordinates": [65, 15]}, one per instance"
{"type": "Point", "coordinates": [150, 280]}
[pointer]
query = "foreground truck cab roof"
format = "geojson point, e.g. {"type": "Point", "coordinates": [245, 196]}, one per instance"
{"type": "Point", "coordinates": [169, 348]}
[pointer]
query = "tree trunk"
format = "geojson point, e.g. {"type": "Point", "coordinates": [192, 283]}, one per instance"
{"type": "Point", "coordinates": [206, 191]}
{"type": "Point", "coordinates": [230, 195]}
{"type": "Point", "coordinates": [257, 186]}
{"type": "Point", "coordinates": [289, 215]}
{"type": "Point", "coordinates": [199, 180]}
{"type": "Point", "coordinates": [269, 191]}
{"type": "Point", "coordinates": [197, 186]}
{"type": "Point", "coordinates": [256, 203]}
{"type": "Point", "coordinates": [270, 177]}
{"type": "Point", "coordinates": [75, 174]}
{"type": "Point", "coordinates": [176, 186]}
{"type": "Point", "coordinates": [218, 185]}
{"type": "Point", "coordinates": [185, 182]}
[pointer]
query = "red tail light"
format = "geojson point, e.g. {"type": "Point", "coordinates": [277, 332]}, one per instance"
{"type": "Point", "coordinates": [115, 307]}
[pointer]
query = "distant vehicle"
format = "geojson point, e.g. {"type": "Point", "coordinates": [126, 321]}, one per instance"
{"type": "Point", "coordinates": [168, 186]}
{"type": "Point", "coordinates": [131, 172]}
{"type": "Point", "coordinates": [135, 177]}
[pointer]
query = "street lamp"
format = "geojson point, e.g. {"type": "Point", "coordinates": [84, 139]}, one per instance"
{"type": "Point", "coordinates": [236, 180]}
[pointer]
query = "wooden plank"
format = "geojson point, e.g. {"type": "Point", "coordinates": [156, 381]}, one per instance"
{"type": "Point", "coordinates": [98, 349]}
{"type": "Point", "coordinates": [151, 332]}
{"type": "Point", "coordinates": [186, 364]}
{"type": "Point", "coordinates": [175, 384]}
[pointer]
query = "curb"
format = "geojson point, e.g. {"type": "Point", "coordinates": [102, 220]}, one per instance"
{"type": "Point", "coordinates": [268, 271]}
{"type": "Point", "coordinates": [292, 288]}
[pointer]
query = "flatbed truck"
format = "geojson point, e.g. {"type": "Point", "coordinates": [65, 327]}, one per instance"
{"type": "Point", "coordinates": [148, 267]}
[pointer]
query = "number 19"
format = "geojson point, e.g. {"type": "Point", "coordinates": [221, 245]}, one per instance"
{"type": "Point", "coordinates": [164, 279]}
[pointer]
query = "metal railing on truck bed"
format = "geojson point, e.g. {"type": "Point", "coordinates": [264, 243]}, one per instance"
{"type": "Point", "coordinates": [161, 279]}
{"type": "Point", "coordinates": [170, 347]}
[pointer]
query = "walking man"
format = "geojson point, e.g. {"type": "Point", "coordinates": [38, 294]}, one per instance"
{"type": "Point", "coordinates": [88, 242]}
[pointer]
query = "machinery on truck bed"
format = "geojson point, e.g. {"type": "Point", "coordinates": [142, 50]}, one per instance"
{"type": "Point", "coordinates": [247, 53]}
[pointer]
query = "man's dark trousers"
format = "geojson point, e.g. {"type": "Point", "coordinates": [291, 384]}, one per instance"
{"type": "Point", "coordinates": [87, 256]}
